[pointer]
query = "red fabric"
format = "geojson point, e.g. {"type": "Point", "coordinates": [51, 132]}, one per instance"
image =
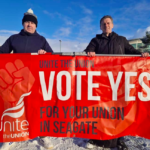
{"type": "Point", "coordinates": [25, 117]}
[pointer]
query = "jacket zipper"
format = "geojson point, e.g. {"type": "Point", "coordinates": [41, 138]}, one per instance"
{"type": "Point", "coordinates": [26, 44]}
{"type": "Point", "coordinates": [121, 50]}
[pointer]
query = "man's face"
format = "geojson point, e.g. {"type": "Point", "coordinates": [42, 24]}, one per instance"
{"type": "Point", "coordinates": [29, 26]}
{"type": "Point", "coordinates": [106, 26]}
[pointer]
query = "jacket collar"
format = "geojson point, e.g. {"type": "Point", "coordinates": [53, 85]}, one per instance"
{"type": "Point", "coordinates": [111, 35]}
{"type": "Point", "coordinates": [22, 32]}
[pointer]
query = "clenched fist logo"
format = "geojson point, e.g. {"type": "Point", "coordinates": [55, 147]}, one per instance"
{"type": "Point", "coordinates": [15, 80]}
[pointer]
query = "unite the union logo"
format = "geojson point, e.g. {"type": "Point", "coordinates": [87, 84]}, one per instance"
{"type": "Point", "coordinates": [16, 81]}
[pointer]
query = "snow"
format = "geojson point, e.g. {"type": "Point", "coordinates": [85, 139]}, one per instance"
{"type": "Point", "coordinates": [133, 143]}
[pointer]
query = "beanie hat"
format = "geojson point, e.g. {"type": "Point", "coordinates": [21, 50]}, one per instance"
{"type": "Point", "coordinates": [30, 16]}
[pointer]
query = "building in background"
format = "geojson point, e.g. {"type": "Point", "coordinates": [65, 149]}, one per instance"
{"type": "Point", "coordinates": [142, 44]}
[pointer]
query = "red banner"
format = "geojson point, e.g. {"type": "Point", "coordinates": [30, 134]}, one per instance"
{"type": "Point", "coordinates": [65, 96]}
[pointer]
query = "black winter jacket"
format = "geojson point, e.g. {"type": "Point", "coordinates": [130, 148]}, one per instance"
{"type": "Point", "coordinates": [25, 42]}
{"type": "Point", "coordinates": [113, 44]}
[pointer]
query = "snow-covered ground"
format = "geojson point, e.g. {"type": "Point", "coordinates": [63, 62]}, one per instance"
{"type": "Point", "coordinates": [133, 143]}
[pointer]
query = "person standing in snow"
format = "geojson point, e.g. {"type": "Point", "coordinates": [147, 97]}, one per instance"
{"type": "Point", "coordinates": [27, 41]}
{"type": "Point", "coordinates": [109, 43]}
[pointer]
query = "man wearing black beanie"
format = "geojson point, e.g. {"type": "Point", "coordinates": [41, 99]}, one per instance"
{"type": "Point", "coordinates": [28, 40]}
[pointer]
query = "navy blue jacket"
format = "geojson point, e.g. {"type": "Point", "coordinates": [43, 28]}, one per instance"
{"type": "Point", "coordinates": [25, 42]}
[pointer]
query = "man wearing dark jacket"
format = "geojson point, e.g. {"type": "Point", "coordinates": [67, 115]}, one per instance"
{"type": "Point", "coordinates": [109, 43]}
{"type": "Point", "coordinates": [27, 41]}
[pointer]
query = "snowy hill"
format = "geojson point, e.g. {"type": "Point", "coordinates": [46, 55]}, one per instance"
{"type": "Point", "coordinates": [133, 143]}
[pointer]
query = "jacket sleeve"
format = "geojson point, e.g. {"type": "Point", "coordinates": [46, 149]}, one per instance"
{"type": "Point", "coordinates": [6, 47]}
{"type": "Point", "coordinates": [129, 49]}
{"type": "Point", "coordinates": [91, 47]}
{"type": "Point", "coordinates": [47, 47]}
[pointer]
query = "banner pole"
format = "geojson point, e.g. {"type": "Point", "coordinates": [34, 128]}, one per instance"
{"type": "Point", "coordinates": [84, 54]}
